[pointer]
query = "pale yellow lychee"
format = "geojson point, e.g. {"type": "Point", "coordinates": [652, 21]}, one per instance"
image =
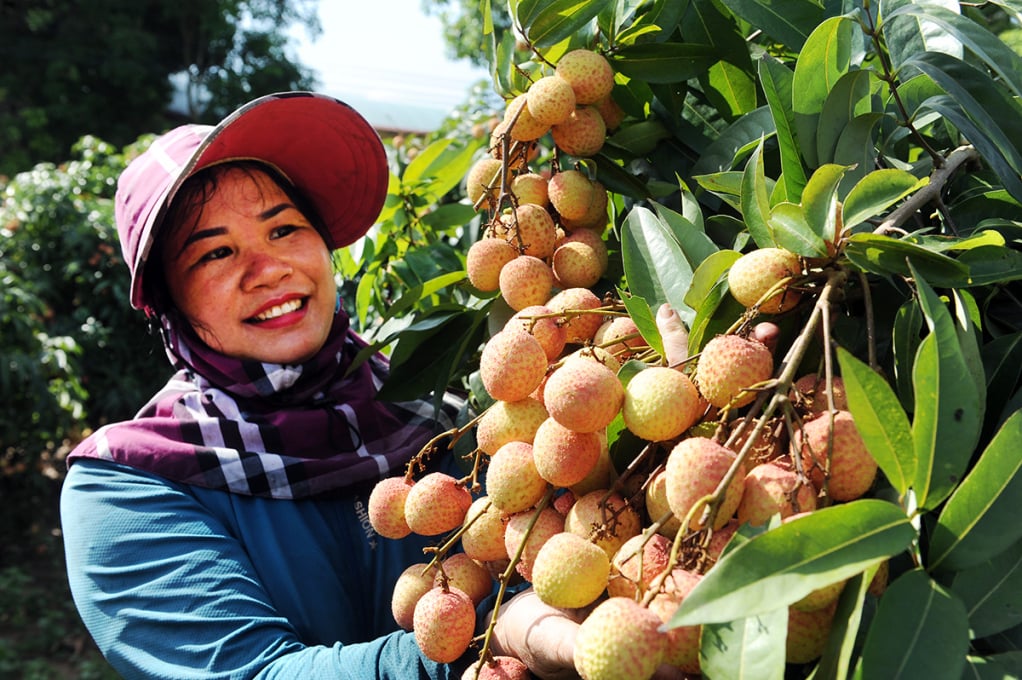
{"type": "Point", "coordinates": [582, 134]}
{"type": "Point", "coordinates": [547, 524]}
{"type": "Point", "coordinates": [507, 421]}
{"type": "Point", "coordinates": [851, 470]}
{"type": "Point", "coordinates": [570, 571]}
{"type": "Point", "coordinates": [660, 403]}
{"type": "Point", "coordinates": [444, 623]}
{"type": "Point", "coordinates": [604, 518]}
{"type": "Point", "coordinates": [589, 73]}
{"type": "Point", "coordinates": [584, 396]}
{"type": "Point", "coordinates": [386, 507]}
{"type": "Point", "coordinates": [550, 99]}
{"type": "Point", "coordinates": [542, 322]}
{"type": "Point", "coordinates": [571, 194]}
{"type": "Point", "coordinates": [755, 272]}
{"type": "Point", "coordinates": [512, 482]}
{"type": "Point", "coordinates": [619, 640]}
{"type": "Point", "coordinates": [576, 305]}
{"type": "Point", "coordinates": [482, 183]}
{"type": "Point", "coordinates": [414, 582]}
{"type": "Point", "coordinates": [564, 457]}
{"type": "Point", "coordinates": [483, 535]}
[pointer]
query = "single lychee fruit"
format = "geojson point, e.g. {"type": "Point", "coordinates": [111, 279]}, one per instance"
{"type": "Point", "coordinates": [466, 575]}
{"type": "Point", "coordinates": [564, 457]}
{"type": "Point", "coordinates": [619, 335]}
{"type": "Point", "coordinates": [548, 523]}
{"type": "Point", "coordinates": [526, 281]}
{"type": "Point", "coordinates": [444, 623]}
{"type": "Point", "coordinates": [507, 421]}
{"type": "Point", "coordinates": [484, 260]}
{"type": "Point", "coordinates": [482, 183]}
{"type": "Point", "coordinates": [512, 365]}
{"type": "Point", "coordinates": [414, 582]}
{"type": "Point", "coordinates": [532, 230]}
{"type": "Point", "coordinates": [728, 365]}
{"type": "Point", "coordinates": [584, 396]}
{"type": "Point", "coordinates": [807, 633]}
{"type": "Point", "coordinates": [582, 134]}
{"type": "Point", "coordinates": [610, 111]}
{"type": "Point", "coordinates": [512, 481]}
{"type": "Point", "coordinates": [660, 403]}
{"type": "Point", "coordinates": [594, 241]}
{"type": "Point", "coordinates": [720, 539]}
{"type": "Point", "coordinates": [754, 273]}
{"type": "Point", "coordinates": [597, 354]}
{"type": "Point", "coordinates": [550, 99]}
{"type": "Point", "coordinates": [589, 73]}
{"type": "Point", "coordinates": [483, 535]}
{"type": "Point", "coordinates": [571, 193]}
{"type": "Point", "coordinates": [498, 668]}
{"type": "Point", "coordinates": [569, 571]}
{"type": "Point", "coordinates": [682, 648]}
{"type": "Point", "coordinates": [851, 470]}
{"type": "Point", "coordinates": [772, 489]}
{"type": "Point", "coordinates": [695, 467]}
{"type": "Point", "coordinates": [657, 506]}
{"type": "Point", "coordinates": [436, 504]}
{"type": "Point", "coordinates": [530, 187]}
{"type": "Point", "coordinates": [811, 391]}
{"type": "Point", "coordinates": [619, 640]}
{"type": "Point", "coordinates": [387, 507]}
{"type": "Point", "coordinates": [540, 321]}
{"type": "Point", "coordinates": [636, 563]}
{"type": "Point", "coordinates": [522, 125]}
{"type": "Point", "coordinates": [575, 304]}
{"type": "Point", "coordinates": [603, 518]}
{"type": "Point", "coordinates": [576, 265]}
{"type": "Point", "coordinates": [596, 217]}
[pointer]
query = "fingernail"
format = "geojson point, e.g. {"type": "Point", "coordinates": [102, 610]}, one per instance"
{"type": "Point", "coordinates": [665, 311]}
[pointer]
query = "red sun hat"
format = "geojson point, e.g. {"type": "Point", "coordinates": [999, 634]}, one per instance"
{"type": "Point", "coordinates": [325, 147]}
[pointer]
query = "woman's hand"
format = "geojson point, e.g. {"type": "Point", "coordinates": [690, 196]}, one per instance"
{"type": "Point", "coordinates": [673, 333]}
{"type": "Point", "coordinates": [540, 635]}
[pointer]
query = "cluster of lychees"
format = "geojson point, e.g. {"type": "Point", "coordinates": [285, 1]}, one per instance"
{"type": "Point", "coordinates": [556, 512]}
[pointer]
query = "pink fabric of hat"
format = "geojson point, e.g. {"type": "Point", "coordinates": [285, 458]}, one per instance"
{"type": "Point", "coordinates": [325, 147]}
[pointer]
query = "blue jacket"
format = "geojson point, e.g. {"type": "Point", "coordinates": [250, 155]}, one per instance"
{"type": "Point", "coordinates": [180, 582]}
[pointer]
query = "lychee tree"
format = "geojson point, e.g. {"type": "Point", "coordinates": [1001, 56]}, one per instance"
{"type": "Point", "coordinates": [837, 190]}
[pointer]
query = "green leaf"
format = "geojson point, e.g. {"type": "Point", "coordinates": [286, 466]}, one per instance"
{"type": "Point", "coordinates": [908, 323]}
{"type": "Point", "coordinates": [1002, 366]}
{"type": "Point", "coordinates": [654, 264]}
{"type": "Point", "coordinates": [981, 517]}
{"type": "Point", "coordinates": [714, 315]}
{"type": "Point", "coordinates": [726, 150]}
{"type": "Point", "coordinates": [930, 643]}
{"type": "Point", "coordinates": [876, 192]}
{"type": "Point", "coordinates": [644, 319]}
{"type": "Point", "coordinates": [880, 420]}
{"type": "Point", "coordinates": [857, 148]}
{"type": "Point", "coordinates": [793, 233]}
{"type": "Point", "coordinates": [885, 255]}
{"type": "Point", "coordinates": [755, 201]}
{"type": "Point", "coordinates": [790, 23]}
{"type": "Point", "coordinates": [819, 200]}
{"type": "Point", "coordinates": [746, 649]}
{"type": "Point", "coordinates": [548, 22]}
{"type": "Point", "coordinates": [785, 564]}
{"type": "Point", "coordinates": [992, 592]}
{"type": "Point", "coordinates": [707, 274]}
{"type": "Point", "coordinates": [663, 62]}
{"type": "Point", "coordinates": [848, 99]}
{"type": "Point", "coordinates": [696, 245]}
{"type": "Point", "coordinates": [949, 410]}
{"type": "Point", "coordinates": [776, 80]}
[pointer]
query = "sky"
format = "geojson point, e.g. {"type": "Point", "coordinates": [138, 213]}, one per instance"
{"type": "Point", "coordinates": [387, 59]}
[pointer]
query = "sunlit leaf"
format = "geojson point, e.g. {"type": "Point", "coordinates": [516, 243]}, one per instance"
{"type": "Point", "coordinates": [792, 232]}
{"type": "Point", "coordinates": [885, 255]}
{"type": "Point", "coordinates": [654, 264]}
{"type": "Point", "coordinates": [819, 200]}
{"type": "Point", "coordinates": [849, 98]}
{"type": "Point", "coordinates": [876, 192]}
{"type": "Point", "coordinates": [931, 643]}
{"type": "Point", "coordinates": [663, 62]}
{"type": "Point", "coordinates": [776, 79]}
{"type": "Point", "coordinates": [755, 202]}
{"type": "Point", "coordinates": [746, 649]}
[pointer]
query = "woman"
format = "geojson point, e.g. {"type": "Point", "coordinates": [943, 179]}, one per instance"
{"type": "Point", "coordinates": [222, 532]}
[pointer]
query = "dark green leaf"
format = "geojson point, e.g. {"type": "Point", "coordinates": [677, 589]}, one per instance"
{"type": "Point", "coordinates": [930, 643]}
{"type": "Point", "coordinates": [981, 517]}
{"type": "Point", "coordinates": [548, 22]}
{"type": "Point", "coordinates": [841, 643]}
{"type": "Point", "coordinates": [880, 420]}
{"type": "Point", "coordinates": [694, 242]}
{"type": "Point", "coordinates": [848, 99]}
{"type": "Point", "coordinates": [884, 255]}
{"type": "Point", "coordinates": [785, 564]}
{"type": "Point", "coordinates": [725, 151]}
{"type": "Point", "coordinates": [1002, 366]}
{"type": "Point", "coordinates": [857, 148]}
{"type": "Point", "coordinates": [992, 592]}
{"type": "Point", "coordinates": [790, 23]}
{"type": "Point", "coordinates": [663, 62]}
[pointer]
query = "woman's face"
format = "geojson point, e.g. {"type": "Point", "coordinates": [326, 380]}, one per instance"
{"type": "Point", "coordinates": [251, 273]}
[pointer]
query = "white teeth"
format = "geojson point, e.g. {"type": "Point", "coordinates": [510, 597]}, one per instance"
{"type": "Point", "coordinates": [279, 310]}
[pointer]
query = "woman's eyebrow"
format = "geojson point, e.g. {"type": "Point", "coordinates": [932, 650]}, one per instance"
{"type": "Point", "coordinates": [275, 210]}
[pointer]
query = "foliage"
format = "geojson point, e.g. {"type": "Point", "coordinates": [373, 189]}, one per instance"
{"type": "Point", "coordinates": [882, 144]}
{"type": "Point", "coordinates": [103, 67]}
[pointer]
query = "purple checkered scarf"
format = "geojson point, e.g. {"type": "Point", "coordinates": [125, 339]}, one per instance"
{"type": "Point", "coordinates": [266, 429]}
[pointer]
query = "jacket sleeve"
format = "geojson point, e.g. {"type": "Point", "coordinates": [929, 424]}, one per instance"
{"type": "Point", "coordinates": [166, 592]}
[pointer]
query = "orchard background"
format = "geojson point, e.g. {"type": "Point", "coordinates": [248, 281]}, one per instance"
{"type": "Point", "coordinates": [882, 143]}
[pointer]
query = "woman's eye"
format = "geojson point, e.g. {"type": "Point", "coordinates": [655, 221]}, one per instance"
{"type": "Point", "coordinates": [284, 230]}
{"type": "Point", "coordinates": [215, 254]}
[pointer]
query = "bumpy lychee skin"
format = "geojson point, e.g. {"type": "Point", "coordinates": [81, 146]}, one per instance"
{"type": "Point", "coordinates": [852, 469]}
{"type": "Point", "coordinates": [387, 507]}
{"type": "Point", "coordinates": [573, 302]}
{"type": "Point", "coordinates": [482, 182]}
{"type": "Point", "coordinates": [414, 582]}
{"type": "Point", "coordinates": [539, 320]}
{"type": "Point", "coordinates": [596, 218]}
{"type": "Point", "coordinates": [623, 329]}
{"type": "Point", "coordinates": [607, 521]}
{"type": "Point", "coordinates": [807, 633]}
{"type": "Point", "coordinates": [569, 571]}
{"type": "Point", "coordinates": [727, 365]}
{"type": "Point", "coordinates": [483, 537]}
{"type": "Point", "coordinates": [637, 563]}
{"type": "Point", "coordinates": [619, 640]}
{"type": "Point", "coordinates": [657, 506]}
{"type": "Point", "coordinates": [589, 73]}
{"type": "Point", "coordinates": [610, 111]}
{"type": "Point", "coordinates": [484, 260]}
{"type": "Point", "coordinates": [660, 403]}
{"type": "Point", "coordinates": [564, 457]}
{"type": "Point", "coordinates": [507, 421]}
{"type": "Point", "coordinates": [582, 134]}
{"type": "Point", "coordinates": [571, 193]}
{"type": "Point", "coordinates": [436, 504]}
{"type": "Point", "coordinates": [512, 481]}
{"type": "Point", "coordinates": [466, 575]}
{"type": "Point", "coordinates": [512, 365]}
{"type": "Point", "coordinates": [531, 187]}
{"type": "Point", "coordinates": [811, 391]}
{"type": "Point", "coordinates": [498, 668]}
{"type": "Point", "coordinates": [535, 234]}
{"type": "Point", "coordinates": [526, 281]}
{"type": "Point", "coordinates": [584, 396]}
{"type": "Point", "coordinates": [771, 489]}
{"type": "Point", "coordinates": [549, 523]}
{"type": "Point", "coordinates": [550, 99]}
{"type": "Point", "coordinates": [576, 265]}
{"type": "Point", "coordinates": [695, 467]}
{"type": "Point", "coordinates": [755, 272]}
{"type": "Point", "coordinates": [444, 624]}
{"type": "Point", "coordinates": [594, 241]}
{"type": "Point", "coordinates": [682, 648]}
{"type": "Point", "coordinates": [523, 126]}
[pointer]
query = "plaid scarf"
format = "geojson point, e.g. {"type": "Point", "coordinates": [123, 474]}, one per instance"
{"type": "Point", "coordinates": [278, 431]}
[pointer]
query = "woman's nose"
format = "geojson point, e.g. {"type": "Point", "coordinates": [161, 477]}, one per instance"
{"type": "Point", "coordinates": [265, 269]}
